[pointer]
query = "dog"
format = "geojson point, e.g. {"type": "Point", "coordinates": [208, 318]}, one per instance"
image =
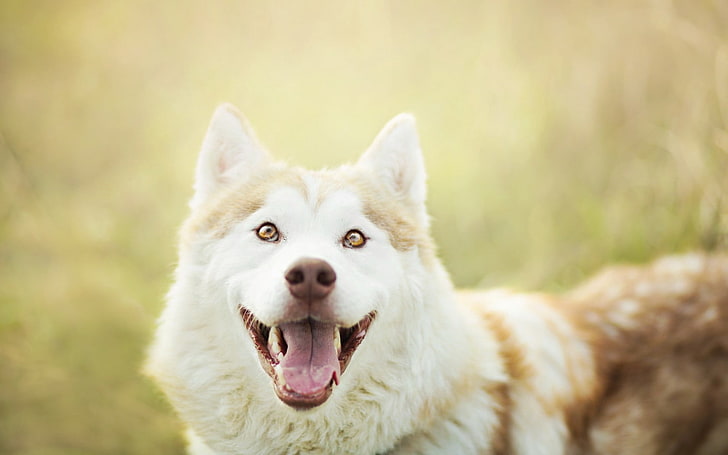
{"type": "Point", "coordinates": [310, 314]}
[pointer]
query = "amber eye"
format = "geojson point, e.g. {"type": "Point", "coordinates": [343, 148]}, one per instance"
{"type": "Point", "coordinates": [354, 239]}
{"type": "Point", "coordinates": [268, 232]}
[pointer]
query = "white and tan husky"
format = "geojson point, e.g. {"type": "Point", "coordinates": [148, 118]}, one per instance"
{"type": "Point", "coordinates": [309, 314]}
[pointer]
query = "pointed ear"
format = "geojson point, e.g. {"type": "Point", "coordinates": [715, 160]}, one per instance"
{"type": "Point", "coordinates": [395, 157]}
{"type": "Point", "coordinates": [230, 153]}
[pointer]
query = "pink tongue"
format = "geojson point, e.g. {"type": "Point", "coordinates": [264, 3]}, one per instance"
{"type": "Point", "coordinates": [311, 361]}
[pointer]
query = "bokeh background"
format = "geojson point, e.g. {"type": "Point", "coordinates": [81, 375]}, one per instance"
{"type": "Point", "coordinates": [559, 136]}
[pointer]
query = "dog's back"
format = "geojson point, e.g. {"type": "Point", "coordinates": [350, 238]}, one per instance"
{"type": "Point", "coordinates": [660, 337]}
{"type": "Point", "coordinates": [632, 362]}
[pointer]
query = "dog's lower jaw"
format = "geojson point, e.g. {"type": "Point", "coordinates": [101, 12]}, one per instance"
{"type": "Point", "coordinates": [293, 383]}
{"type": "Point", "coordinates": [300, 402]}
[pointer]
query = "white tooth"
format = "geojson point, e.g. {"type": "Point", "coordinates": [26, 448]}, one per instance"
{"type": "Point", "coordinates": [337, 340]}
{"type": "Point", "coordinates": [280, 356]}
{"type": "Point", "coordinates": [278, 370]}
{"type": "Point", "coordinates": [274, 341]}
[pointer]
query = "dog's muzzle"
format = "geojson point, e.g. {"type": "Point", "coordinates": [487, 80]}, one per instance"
{"type": "Point", "coordinates": [306, 353]}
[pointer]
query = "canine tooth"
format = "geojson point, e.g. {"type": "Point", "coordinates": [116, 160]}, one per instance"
{"type": "Point", "coordinates": [274, 341]}
{"type": "Point", "coordinates": [337, 340]}
{"type": "Point", "coordinates": [276, 350]}
{"type": "Point", "coordinates": [274, 334]}
{"type": "Point", "coordinates": [278, 370]}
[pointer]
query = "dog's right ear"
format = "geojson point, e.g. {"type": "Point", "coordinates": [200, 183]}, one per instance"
{"type": "Point", "coordinates": [230, 153]}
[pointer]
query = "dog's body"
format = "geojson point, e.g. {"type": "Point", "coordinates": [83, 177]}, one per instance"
{"type": "Point", "coordinates": [311, 315]}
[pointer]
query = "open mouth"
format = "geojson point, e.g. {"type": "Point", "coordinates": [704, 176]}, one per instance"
{"type": "Point", "coordinates": [305, 358]}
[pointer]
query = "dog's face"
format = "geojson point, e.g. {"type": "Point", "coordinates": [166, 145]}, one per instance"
{"type": "Point", "coordinates": [304, 262]}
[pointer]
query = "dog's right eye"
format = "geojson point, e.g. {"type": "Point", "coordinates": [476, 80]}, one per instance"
{"type": "Point", "coordinates": [268, 232]}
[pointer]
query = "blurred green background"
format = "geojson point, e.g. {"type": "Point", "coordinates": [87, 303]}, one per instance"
{"type": "Point", "coordinates": [559, 136]}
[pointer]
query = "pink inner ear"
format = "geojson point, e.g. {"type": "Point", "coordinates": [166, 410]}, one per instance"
{"type": "Point", "coordinates": [400, 177]}
{"type": "Point", "coordinates": [222, 164]}
{"type": "Point", "coordinates": [226, 162]}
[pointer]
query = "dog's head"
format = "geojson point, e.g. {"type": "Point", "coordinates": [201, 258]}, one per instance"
{"type": "Point", "coordinates": [305, 262]}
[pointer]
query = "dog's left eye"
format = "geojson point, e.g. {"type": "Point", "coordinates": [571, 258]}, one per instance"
{"type": "Point", "coordinates": [354, 239]}
{"type": "Point", "coordinates": [268, 232]}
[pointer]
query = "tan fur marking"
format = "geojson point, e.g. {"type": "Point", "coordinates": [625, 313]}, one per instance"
{"type": "Point", "coordinates": [517, 370]}
{"type": "Point", "coordinates": [500, 438]}
{"type": "Point", "coordinates": [386, 211]}
{"type": "Point", "coordinates": [235, 203]}
{"type": "Point", "coordinates": [511, 351]}
{"type": "Point", "coordinates": [579, 405]}
{"type": "Point", "coordinates": [390, 216]}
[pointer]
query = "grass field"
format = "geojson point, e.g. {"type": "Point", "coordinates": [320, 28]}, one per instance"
{"type": "Point", "coordinates": [559, 136]}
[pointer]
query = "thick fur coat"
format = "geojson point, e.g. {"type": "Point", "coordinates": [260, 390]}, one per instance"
{"type": "Point", "coordinates": [310, 314]}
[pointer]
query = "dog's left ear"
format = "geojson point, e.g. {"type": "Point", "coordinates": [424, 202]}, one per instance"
{"type": "Point", "coordinates": [395, 157]}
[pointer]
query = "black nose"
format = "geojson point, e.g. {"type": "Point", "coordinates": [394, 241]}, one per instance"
{"type": "Point", "coordinates": [310, 279]}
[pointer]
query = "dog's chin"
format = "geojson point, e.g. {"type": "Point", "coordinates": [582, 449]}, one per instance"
{"type": "Point", "coordinates": [306, 358]}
